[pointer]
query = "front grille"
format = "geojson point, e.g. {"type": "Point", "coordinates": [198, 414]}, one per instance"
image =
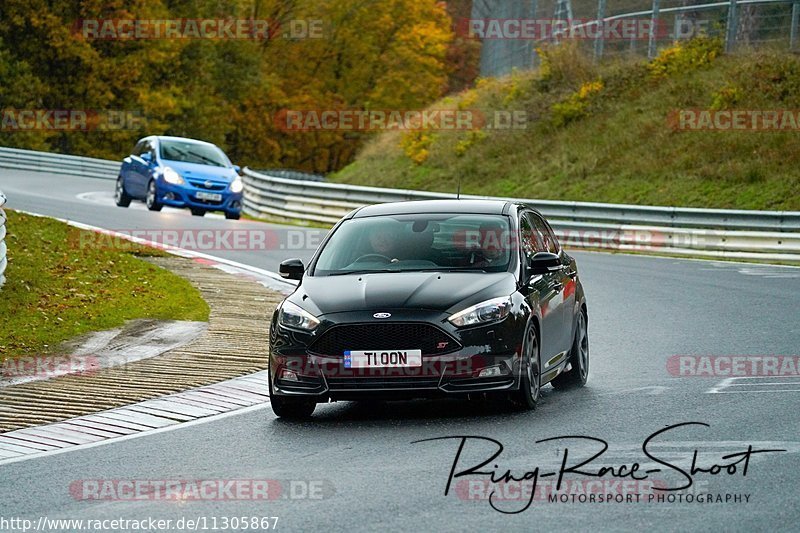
{"type": "Point", "coordinates": [212, 187]}
{"type": "Point", "coordinates": [385, 336]}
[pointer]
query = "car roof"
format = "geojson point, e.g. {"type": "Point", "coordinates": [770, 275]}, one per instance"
{"type": "Point", "coordinates": [488, 207]}
{"type": "Point", "coordinates": [181, 139]}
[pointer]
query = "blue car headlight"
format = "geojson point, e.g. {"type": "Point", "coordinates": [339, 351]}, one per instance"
{"type": "Point", "coordinates": [170, 176]}
{"type": "Point", "coordinates": [237, 185]}
{"type": "Point", "coordinates": [487, 311]}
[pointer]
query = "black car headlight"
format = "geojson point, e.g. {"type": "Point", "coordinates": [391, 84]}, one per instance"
{"type": "Point", "coordinates": [488, 311]}
{"type": "Point", "coordinates": [294, 316]}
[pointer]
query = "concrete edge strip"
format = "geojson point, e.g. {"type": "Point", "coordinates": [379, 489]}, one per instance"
{"type": "Point", "coordinates": [148, 417]}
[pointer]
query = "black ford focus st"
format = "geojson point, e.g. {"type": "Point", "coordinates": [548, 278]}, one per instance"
{"type": "Point", "coordinates": [430, 299]}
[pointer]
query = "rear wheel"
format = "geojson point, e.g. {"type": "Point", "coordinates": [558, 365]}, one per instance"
{"type": "Point", "coordinates": [121, 198]}
{"type": "Point", "coordinates": [579, 358]}
{"type": "Point", "coordinates": [197, 212]}
{"type": "Point", "coordinates": [528, 394]}
{"type": "Point", "coordinates": [151, 200]}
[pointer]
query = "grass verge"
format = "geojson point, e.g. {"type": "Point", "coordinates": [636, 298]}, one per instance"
{"type": "Point", "coordinates": [60, 284]}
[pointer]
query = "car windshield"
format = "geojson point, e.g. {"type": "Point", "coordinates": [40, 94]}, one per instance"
{"type": "Point", "coordinates": [189, 152]}
{"type": "Point", "coordinates": [418, 242]}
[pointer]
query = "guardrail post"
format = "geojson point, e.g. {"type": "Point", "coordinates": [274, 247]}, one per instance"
{"type": "Point", "coordinates": [600, 40]}
{"type": "Point", "coordinates": [795, 23]}
{"type": "Point", "coordinates": [3, 254]}
{"type": "Point", "coordinates": [651, 45]}
{"type": "Point", "coordinates": [733, 27]}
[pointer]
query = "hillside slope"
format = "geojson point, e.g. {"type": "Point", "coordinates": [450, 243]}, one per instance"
{"type": "Point", "coordinates": [604, 133]}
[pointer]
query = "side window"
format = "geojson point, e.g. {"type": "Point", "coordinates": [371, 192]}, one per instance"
{"type": "Point", "coordinates": [139, 148]}
{"type": "Point", "coordinates": [149, 147]}
{"type": "Point", "coordinates": [549, 239]}
{"type": "Point", "coordinates": [552, 237]}
{"type": "Point", "coordinates": [531, 240]}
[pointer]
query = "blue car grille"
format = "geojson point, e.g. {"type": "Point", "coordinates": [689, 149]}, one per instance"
{"type": "Point", "coordinates": [212, 187]}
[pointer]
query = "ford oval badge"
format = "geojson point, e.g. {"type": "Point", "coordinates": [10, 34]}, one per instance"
{"type": "Point", "coordinates": [381, 315]}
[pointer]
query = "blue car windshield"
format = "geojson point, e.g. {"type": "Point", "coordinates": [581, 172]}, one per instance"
{"type": "Point", "coordinates": [419, 242]}
{"type": "Point", "coordinates": [189, 152]}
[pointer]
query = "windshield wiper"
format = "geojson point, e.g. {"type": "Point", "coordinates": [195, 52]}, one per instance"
{"type": "Point", "coordinates": [204, 158]}
{"type": "Point", "coordinates": [449, 269]}
{"type": "Point", "coordinates": [371, 271]}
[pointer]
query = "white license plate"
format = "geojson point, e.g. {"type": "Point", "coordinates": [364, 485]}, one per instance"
{"type": "Point", "coordinates": [382, 358]}
{"type": "Point", "coordinates": [211, 196]}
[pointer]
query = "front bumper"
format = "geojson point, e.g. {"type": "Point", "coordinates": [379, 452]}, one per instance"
{"type": "Point", "coordinates": [186, 196]}
{"type": "Point", "coordinates": [296, 369]}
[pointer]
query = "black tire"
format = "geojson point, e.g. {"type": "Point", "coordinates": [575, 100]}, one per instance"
{"type": "Point", "coordinates": [232, 216]}
{"type": "Point", "coordinates": [197, 212]}
{"type": "Point", "coordinates": [527, 396]}
{"type": "Point", "coordinates": [578, 358]}
{"type": "Point", "coordinates": [290, 408]}
{"type": "Point", "coordinates": [151, 200]}
{"type": "Point", "coordinates": [121, 198]}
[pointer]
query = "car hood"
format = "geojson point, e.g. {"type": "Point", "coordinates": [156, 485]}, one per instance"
{"type": "Point", "coordinates": [206, 172]}
{"type": "Point", "coordinates": [417, 290]}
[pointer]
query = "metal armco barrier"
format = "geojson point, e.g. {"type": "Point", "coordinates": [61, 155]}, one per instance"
{"type": "Point", "coordinates": [3, 256]}
{"type": "Point", "coordinates": [740, 234]}
{"type": "Point", "coordinates": [723, 233]}
{"type": "Point", "coordinates": [59, 163]}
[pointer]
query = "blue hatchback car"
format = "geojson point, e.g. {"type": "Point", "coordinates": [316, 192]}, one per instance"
{"type": "Point", "coordinates": [180, 172]}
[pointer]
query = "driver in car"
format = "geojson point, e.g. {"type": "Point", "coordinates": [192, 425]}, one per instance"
{"type": "Point", "coordinates": [492, 238]}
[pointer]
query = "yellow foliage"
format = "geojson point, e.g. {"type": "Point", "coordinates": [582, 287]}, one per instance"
{"type": "Point", "coordinates": [685, 57]}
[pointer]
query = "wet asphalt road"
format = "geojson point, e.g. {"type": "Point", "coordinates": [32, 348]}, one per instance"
{"type": "Point", "coordinates": [356, 466]}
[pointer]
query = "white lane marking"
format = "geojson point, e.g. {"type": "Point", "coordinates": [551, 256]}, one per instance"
{"type": "Point", "coordinates": [107, 198]}
{"type": "Point", "coordinates": [145, 418]}
{"type": "Point", "coordinates": [759, 384]}
{"type": "Point", "coordinates": [650, 390]}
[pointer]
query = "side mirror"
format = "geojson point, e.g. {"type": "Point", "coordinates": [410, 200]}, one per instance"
{"type": "Point", "coordinates": [544, 262]}
{"type": "Point", "coordinates": [237, 168]}
{"type": "Point", "coordinates": [292, 269]}
{"type": "Point", "coordinates": [146, 157]}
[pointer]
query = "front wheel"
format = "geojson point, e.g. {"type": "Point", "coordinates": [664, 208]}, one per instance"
{"type": "Point", "coordinates": [289, 408]}
{"type": "Point", "coordinates": [151, 200]}
{"type": "Point", "coordinates": [121, 198]}
{"type": "Point", "coordinates": [578, 358]}
{"type": "Point", "coordinates": [527, 396]}
{"type": "Point", "coordinates": [292, 408]}
{"type": "Point", "coordinates": [232, 216]}
{"type": "Point", "coordinates": [197, 212]}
